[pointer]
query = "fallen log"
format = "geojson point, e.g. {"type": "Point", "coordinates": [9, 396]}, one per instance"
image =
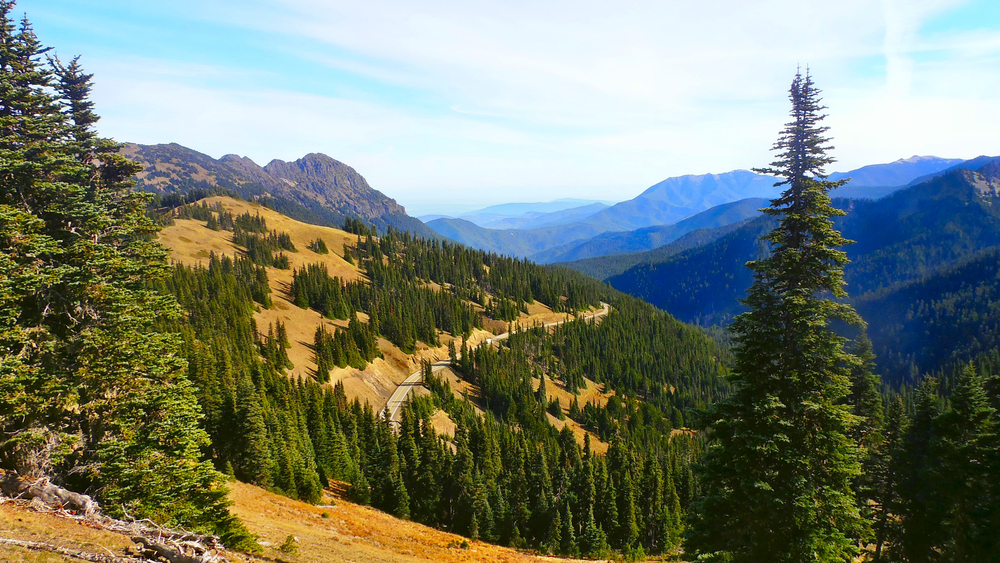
{"type": "Point", "coordinates": [75, 554]}
{"type": "Point", "coordinates": [155, 542]}
{"type": "Point", "coordinates": [51, 495]}
{"type": "Point", "coordinates": [175, 552]}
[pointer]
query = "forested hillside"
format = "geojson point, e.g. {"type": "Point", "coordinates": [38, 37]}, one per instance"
{"type": "Point", "coordinates": [940, 322]}
{"type": "Point", "coordinates": [531, 487]}
{"type": "Point", "coordinates": [905, 242]}
{"type": "Point", "coordinates": [157, 348]}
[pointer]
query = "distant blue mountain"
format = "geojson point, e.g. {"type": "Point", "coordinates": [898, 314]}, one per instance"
{"type": "Point", "coordinates": [535, 219]}
{"type": "Point", "coordinates": [648, 238]}
{"type": "Point", "coordinates": [517, 209]}
{"type": "Point", "coordinates": [530, 230]}
{"type": "Point", "coordinates": [971, 164]}
{"type": "Point", "coordinates": [675, 199]}
{"type": "Point", "coordinates": [898, 173]}
{"type": "Point", "coordinates": [906, 236]}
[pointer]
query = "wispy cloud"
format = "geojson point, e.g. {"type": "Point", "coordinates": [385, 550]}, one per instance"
{"type": "Point", "coordinates": [513, 99]}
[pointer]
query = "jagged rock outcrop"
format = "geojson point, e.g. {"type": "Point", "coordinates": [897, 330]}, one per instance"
{"type": "Point", "coordinates": [315, 188]}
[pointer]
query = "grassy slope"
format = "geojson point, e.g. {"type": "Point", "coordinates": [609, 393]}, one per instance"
{"type": "Point", "coordinates": [190, 242]}
{"type": "Point", "coordinates": [349, 533]}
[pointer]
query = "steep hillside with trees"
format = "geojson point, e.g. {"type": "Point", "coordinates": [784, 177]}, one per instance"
{"type": "Point", "coordinates": [923, 231]}
{"type": "Point", "coordinates": [506, 475]}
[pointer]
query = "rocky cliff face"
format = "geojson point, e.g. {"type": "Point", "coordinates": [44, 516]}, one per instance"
{"type": "Point", "coordinates": [334, 182]}
{"type": "Point", "coordinates": [986, 180]}
{"type": "Point", "coordinates": [315, 188]}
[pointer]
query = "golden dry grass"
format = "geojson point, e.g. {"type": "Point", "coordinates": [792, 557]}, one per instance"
{"type": "Point", "coordinates": [19, 523]}
{"type": "Point", "coordinates": [591, 393]}
{"type": "Point", "coordinates": [355, 533]}
{"type": "Point", "coordinates": [348, 532]}
{"type": "Point", "coordinates": [190, 242]}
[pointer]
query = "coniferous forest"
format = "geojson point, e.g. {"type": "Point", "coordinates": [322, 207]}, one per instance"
{"type": "Point", "coordinates": [149, 385]}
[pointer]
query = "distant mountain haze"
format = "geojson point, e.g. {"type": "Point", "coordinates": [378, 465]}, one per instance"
{"type": "Point", "coordinates": [512, 242]}
{"type": "Point", "coordinates": [971, 164]}
{"type": "Point", "coordinates": [315, 188]}
{"type": "Point", "coordinates": [910, 234]}
{"type": "Point", "coordinates": [536, 220]}
{"type": "Point", "coordinates": [518, 209]}
{"type": "Point", "coordinates": [604, 267]}
{"type": "Point", "coordinates": [666, 203]}
{"type": "Point", "coordinates": [675, 199]}
{"type": "Point", "coordinates": [649, 238]}
{"type": "Point", "coordinates": [654, 217]}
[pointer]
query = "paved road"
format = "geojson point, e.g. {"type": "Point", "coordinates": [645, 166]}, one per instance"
{"type": "Point", "coordinates": [401, 395]}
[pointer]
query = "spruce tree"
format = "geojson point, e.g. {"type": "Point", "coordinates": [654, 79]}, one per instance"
{"type": "Point", "coordinates": [777, 480]}
{"type": "Point", "coordinates": [253, 453]}
{"type": "Point", "coordinates": [882, 476]}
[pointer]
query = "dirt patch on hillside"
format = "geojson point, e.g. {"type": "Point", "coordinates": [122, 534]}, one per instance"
{"type": "Point", "coordinates": [591, 393]}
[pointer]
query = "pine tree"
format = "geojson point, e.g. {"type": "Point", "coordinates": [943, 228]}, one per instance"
{"type": "Point", "coordinates": [567, 532]}
{"type": "Point", "coordinates": [553, 536]}
{"type": "Point", "coordinates": [866, 404]}
{"type": "Point", "coordinates": [778, 479]}
{"type": "Point", "coordinates": [593, 542]}
{"type": "Point", "coordinates": [883, 475]}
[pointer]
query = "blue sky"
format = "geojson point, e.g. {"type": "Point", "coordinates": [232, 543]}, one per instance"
{"type": "Point", "coordinates": [443, 104]}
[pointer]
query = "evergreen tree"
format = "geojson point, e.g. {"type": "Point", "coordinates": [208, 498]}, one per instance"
{"type": "Point", "coordinates": [567, 532]}
{"type": "Point", "coordinates": [92, 393]}
{"type": "Point", "coordinates": [866, 404]}
{"type": "Point", "coordinates": [593, 542]}
{"type": "Point", "coordinates": [778, 479]}
{"type": "Point", "coordinates": [882, 477]}
{"type": "Point", "coordinates": [967, 451]}
{"type": "Point", "coordinates": [253, 456]}
{"type": "Point", "coordinates": [921, 505]}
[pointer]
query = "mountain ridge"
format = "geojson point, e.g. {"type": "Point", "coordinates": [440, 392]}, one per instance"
{"type": "Point", "coordinates": [667, 203]}
{"type": "Point", "coordinates": [315, 188]}
{"type": "Point", "coordinates": [911, 233]}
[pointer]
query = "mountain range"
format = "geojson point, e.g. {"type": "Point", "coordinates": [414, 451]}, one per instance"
{"type": "Point", "coordinates": [315, 188]}
{"type": "Point", "coordinates": [529, 215]}
{"type": "Point", "coordinates": [911, 251]}
{"type": "Point", "coordinates": [665, 204]}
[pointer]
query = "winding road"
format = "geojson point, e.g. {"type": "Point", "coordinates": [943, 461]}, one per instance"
{"type": "Point", "coordinates": [402, 393]}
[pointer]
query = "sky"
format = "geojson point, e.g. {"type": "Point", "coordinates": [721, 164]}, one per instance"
{"type": "Point", "coordinates": [450, 105]}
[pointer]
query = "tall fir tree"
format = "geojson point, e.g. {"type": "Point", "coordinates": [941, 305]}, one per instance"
{"type": "Point", "coordinates": [966, 451]}
{"type": "Point", "coordinates": [777, 480]}
{"type": "Point", "coordinates": [921, 505]}
{"type": "Point", "coordinates": [882, 475]}
{"type": "Point", "coordinates": [92, 395]}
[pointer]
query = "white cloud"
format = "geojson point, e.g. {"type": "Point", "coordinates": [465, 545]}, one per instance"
{"type": "Point", "coordinates": [546, 100]}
